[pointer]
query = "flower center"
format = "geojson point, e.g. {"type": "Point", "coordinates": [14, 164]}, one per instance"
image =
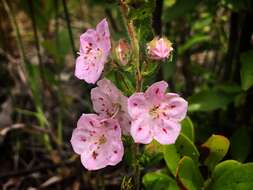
{"type": "Point", "coordinates": [102, 140]}
{"type": "Point", "coordinates": [154, 112]}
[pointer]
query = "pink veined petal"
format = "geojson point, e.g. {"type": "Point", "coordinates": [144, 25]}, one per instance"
{"type": "Point", "coordinates": [175, 108]}
{"type": "Point", "coordinates": [141, 131]}
{"type": "Point", "coordinates": [87, 127]}
{"type": "Point", "coordinates": [137, 105]}
{"type": "Point", "coordinates": [94, 160]}
{"type": "Point", "coordinates": [156, 91]}
{"type": "Point", "coordinates": [79, 140]}
{"type": "Point", "coordinates": [166, 131]}
{"type": "Point", "coordinates": [102, 103]}
{"type": "Point", "coordinates": [115, 152]}
{"type": "Point", "coordinates": [88, 70]}
{"type": "Point", "coordinates": [103, 29]}
{"type": "Point", "coordinates": [103, 36]}
{"type": "Point", "coordinates": [110, 89]}
{"type": "Point", "coordinates": [112, 128]}
{"type": "Point", "coordinates": [124, 121]}
{"type": "Point", "coordinates": [87, 40]}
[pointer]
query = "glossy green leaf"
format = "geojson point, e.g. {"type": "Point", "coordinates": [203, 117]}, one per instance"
{"type": "Point", "coordinates": [233, 176]}
{"type": "Point", "coordinates": [209, 100]}
{"type": "Point", "coordinates": [171, 157]}
{"type": "Point", "coordinates": [188, 128]}
{"type": "Point", "coordinates": [188, 175]}
{"type": "Point", "coordinates": [217, 147]}
{"type": "Point", "coordinates": [186, 147]}
{"type": "Point", "coordinates": [240, 144]}
{"type": "Point", "coordinates": [159, 181]}
{"type": "Point", "coordinates": [246, 70]}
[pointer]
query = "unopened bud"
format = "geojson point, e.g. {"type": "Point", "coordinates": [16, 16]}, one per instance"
{"type": "Point", "coordinates": [159, 48]}
{"type": "Point", "coordinates": [122, 52]}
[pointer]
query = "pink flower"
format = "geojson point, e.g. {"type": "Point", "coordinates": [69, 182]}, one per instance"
{"type": "Point", "coordinates": [159, 48]}
{"type": "Point", "coordinates": [156, 114]}
{"type": "Point", "coordinates": [109, 102]}
{"type": "Point", "coordinates": [95, 47]}
{"type": "Point", "coordinates": [98, 141]}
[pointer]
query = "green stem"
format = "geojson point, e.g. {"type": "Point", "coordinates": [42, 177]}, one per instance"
{"type": "Point", "coordinates": [66, 12]}
{"type": "Point", "coordinates": [136, 61]}
{"type": "Point", "coordinates": [134, 44]}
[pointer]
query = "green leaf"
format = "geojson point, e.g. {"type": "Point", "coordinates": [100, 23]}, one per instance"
{"type": "Point", "coordinates": [171, 157]}
{"type": "Point", "coordinates": [223, 167]}
{"type": "Point", "coordinates": [192, 41]}
{"type": "Point", "coordinates": [159, 181]}
{"type": "Point", "coordinates": [246, 69]}
{"type": "Point", "coordinates": [186, 147]}
{"type": "Point", "coordinates": [217, 147]}
{"type": "Point", "coordinates": [188, 128]}
{"type": "Point", "coordinates": [141, 10]}
{"type": "Point", "coordinates": [233, 176]}
{"type": "Point", "coordinates": [240, 144]}
{"type": "Point", "coordinates": [180, 9]}
{"type": "Point", "coordinates": [209, 100]}
{"type": "Point", "coordinates": [188, 175]}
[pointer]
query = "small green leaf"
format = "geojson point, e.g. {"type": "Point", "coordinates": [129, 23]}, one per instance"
{"type": "Point", "coordinates": [186, 147]}
{"type": "Point", "coordinates": [217, 147]}
{"type": "Point", "coordinates": [246, 69]}
{"type": "Point", "coordinates": [233, 176]}
{"type": "Point", "coordinates": [240, 144]}
{"type": "Point", "coordinates": [188, 128]}
{"type": "Point", "coordinates": [171, 157]}
{"type": "Point", "coordinates": [188, 175]}
{"type": "Point", "coordinates": [159, 181]}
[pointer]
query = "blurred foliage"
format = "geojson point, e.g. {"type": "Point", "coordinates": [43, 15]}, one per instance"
{"type": "Point", "coordinates": [211, 66]}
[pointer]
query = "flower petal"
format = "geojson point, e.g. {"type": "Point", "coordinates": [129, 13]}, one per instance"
{"type": "Point", "coordinates": [102, 103]}
{"type": "Point", "coordinates": [110, 89]}
{"type": "Point", "coordinates": [156, 91]}
{"type": "Point", "coordinates": [141, 131]}
{"type": "Point", "coordinates": [175, 108]}
{"type": "Point", "coordinates": [166, 131]}
{"type": "Point", "coordinates": [137, 105]}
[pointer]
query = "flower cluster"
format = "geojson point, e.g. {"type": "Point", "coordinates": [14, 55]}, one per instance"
{"type": "Point", "coordinates": [145, 116]}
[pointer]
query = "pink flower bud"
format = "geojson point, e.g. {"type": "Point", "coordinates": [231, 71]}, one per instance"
{"type": "Point", "coordinates": [159, 48]}
{"type": "Point", "coordinates": [122, 52]}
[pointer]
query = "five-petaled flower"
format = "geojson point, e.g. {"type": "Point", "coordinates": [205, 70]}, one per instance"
{"type": "Point", "coordinates": [95, 47]}
{"type": "Point", "coordinates": [156, 114]}
{"type": "Point", "coordinates": [98, 141]}
{"type": "Point", "coordinates": [108, 101]}
{"type": "Point", "coordinates": [159, 48]}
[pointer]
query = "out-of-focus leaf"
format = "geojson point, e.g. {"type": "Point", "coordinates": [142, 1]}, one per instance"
{"type": "Point", "coordinates": [217, 147]}
{"type": "Point", "coordinates": [159, 181]}
{"type": "Point", "coordinates": [223, 167]}
{"type": "Point", "coordinates": [233, 176]}
{"type": "Point", "coordinates": [171, 157]}
{"type": "Point", "coordinates": [188, 175]}
{"type": "Point", "coordinates": [194, 40]}
{"type": "Point", "coordinates": [141, 10]}
{"type": "Point", "coordinates": [236, 5]}
{"type": "Point", "coordinates": [188, 128]}
{"type": "Point", "coordinates": [240, 144]}
{"type": "Point", "coordinates": [186, 147]}
{"type": "Point", "coordinates": [246, 70]}
{"type": "Point", "coordinates": [209, 100]}
{"type": "Point", "coordinates": [180, 9]}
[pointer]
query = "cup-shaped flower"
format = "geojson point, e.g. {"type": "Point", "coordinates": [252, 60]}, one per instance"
{"type": "Point", "coordinates": [95, 47]}
{"type": "Point", "coordinates": [122, 51]}
{"type": "Point", "coordinates": [97, 141]}
{"type": "Point", "coordinates": [156, 114]}
{"type": "Point", "coordinates": [159, 48]}
{"type": "Point", "coordinates": [109, 102]}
